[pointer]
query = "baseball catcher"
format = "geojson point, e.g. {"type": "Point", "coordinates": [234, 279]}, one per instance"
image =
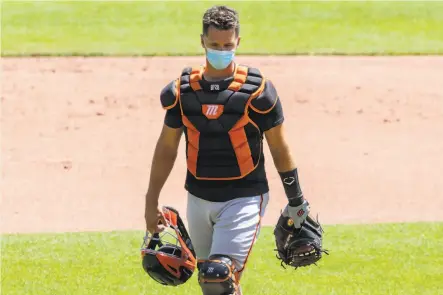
{"type": "Point", "coordinates": [225, 111]}
{"type": "Point", "coordinates": [297, 236]}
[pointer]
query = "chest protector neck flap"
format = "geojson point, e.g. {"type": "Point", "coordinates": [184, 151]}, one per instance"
{"type": "Point", "coordinates": [222, 141]}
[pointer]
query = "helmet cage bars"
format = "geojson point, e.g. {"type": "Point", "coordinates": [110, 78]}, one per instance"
{"type": "Point", "coordinates": [169, 256]}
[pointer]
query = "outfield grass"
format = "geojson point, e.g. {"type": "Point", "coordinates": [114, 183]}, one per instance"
{"type": "Point", "coordinates": [148, 28]}
{"type": "Point", "coordinates": [370, 259]}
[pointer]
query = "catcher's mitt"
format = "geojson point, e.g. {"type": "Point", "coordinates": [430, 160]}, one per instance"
{"type": "Point", "coordinates": [298, 247]}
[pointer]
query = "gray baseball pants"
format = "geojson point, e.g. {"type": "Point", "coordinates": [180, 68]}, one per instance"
{"type": "Point", "coordinates": [228, 228]}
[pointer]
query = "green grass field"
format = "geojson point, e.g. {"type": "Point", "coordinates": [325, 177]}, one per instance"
{"type": "Point", "coordinates": [173, 28]}
{"type": "Point", "coordinates": [370, 259]}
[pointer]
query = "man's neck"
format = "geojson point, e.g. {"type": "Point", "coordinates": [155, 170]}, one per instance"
{"type": "Point", "coordinates": [212, 75]}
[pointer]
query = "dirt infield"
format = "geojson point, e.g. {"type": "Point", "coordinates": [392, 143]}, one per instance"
{"type": "Point", "coordinates": [78, 136]}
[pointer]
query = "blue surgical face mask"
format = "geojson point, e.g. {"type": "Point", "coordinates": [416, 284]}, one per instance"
{"type": "Point", "coordinates": [219, 59]}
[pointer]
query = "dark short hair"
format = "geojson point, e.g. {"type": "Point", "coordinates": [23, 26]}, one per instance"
{"type": "Point", "coordinates": [221, 18]}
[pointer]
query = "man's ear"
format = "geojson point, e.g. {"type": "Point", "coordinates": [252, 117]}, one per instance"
{"type": "Point", "coordinates": [238, 41]}
{"type": "Point", "coordinates": [201, 41]}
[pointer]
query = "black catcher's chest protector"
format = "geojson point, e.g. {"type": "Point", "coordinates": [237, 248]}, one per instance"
{"type": "Point", "coordinates": [222, 141]}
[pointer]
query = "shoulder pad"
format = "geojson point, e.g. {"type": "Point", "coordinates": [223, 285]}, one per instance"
{"type": "Point", "coordinates": [189, 79]}
{"type": "Point", "coordinates": [254, 72]}
{"type": "Point", "coordinates": [186, 71]}
{"type": "Point", "coordinates": [266, 101]}
{"type": "Point", "coordinates": [169, 95]}
{"type": "Point", "coordinates": [247, 80]}
{"type": "Point", "coordinates": [251, 71]}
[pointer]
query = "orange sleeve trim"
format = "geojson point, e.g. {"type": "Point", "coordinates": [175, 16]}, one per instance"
{"type": "Point", "coordinates": [255, 94]}
{"type": "Point", "coordinates": [255, 234]}
{"type": "Point", "coordinates": [266, 111]}
{"type": "Point", "coordinates": [177, 95]}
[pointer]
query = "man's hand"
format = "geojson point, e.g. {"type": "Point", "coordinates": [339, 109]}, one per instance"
{"type": "Point", "coordinates": [155, 220]}
{"type": "Point", "coordinates": [298, 214]}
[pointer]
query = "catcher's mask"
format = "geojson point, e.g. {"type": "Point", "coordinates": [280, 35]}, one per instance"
{"type": "Point", "coordinates": [169, 258]}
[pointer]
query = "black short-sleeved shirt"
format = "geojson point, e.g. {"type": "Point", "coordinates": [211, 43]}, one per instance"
{"type": "Point", "coordinates": [265, 110]}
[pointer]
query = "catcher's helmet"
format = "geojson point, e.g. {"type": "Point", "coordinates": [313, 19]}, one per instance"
{"type": "Point", "coordinates": [170, 264]}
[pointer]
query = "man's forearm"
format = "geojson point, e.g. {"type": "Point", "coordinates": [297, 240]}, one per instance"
{"type": "Point", "coordinates": [287, 170]}
{"type": "Point", "coordinates": [283, 160]}
{"type": "Point", "coordinates": [162, 164]}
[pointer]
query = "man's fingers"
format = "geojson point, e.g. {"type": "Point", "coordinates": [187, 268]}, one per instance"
{"type": "Point", "coordinates": [160, 228]}
{"type": "Point", "coordinates": [156, 229]}
{"type": "Point", "coordinates": [158, 225]}
{"type": "Point", "coordinates": [163, 219]}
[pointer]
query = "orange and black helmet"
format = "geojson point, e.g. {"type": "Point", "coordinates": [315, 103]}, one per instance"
{"type": "Point", "coordinates": [169, 262]}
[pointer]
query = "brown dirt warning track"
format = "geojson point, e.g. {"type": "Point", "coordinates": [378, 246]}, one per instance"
{"type": "Point", "coordinates": [78, 135]}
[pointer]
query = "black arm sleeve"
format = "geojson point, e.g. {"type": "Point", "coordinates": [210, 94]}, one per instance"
{"type": "Point", "coordinates": [266, 110]}
{"type": "Point", "coordinates": [169, 101]}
